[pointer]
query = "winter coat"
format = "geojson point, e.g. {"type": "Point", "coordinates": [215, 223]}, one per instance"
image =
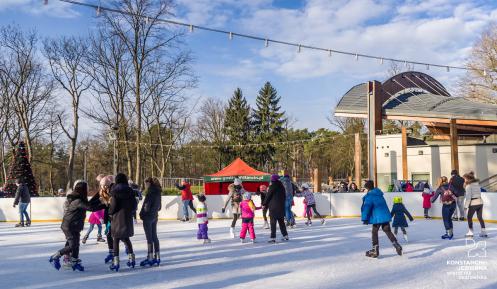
{"type": "Point", "coordinates": [409, 187]}
{"type": "Point", "coordinates": [473, 195]}
{"type": "Point", "coordinates": [122, 206]}
{"type": "Point", "coordinates": [95, 217]}
{"type": "Point", "coordinates": [275, 200]}
{"type": "Point", "coordinates": [186, 192]}
{"type": "Point", "coordinates": [456, 185]}
{"type": "Point", "coordinates": [289, 188]}
{"type": "Point", "coordinates": [75, 212]}
{"type": "Point", "coordinates": [399, 213]}
{"type": "Point", "coordinates": [152, 204]}
{"type": "Point", "coordinates": [202, 213]}
{"type": "Point", "coordinates": [248, 208]}
{"type": "Point", "coordinates": [427, 194]}
{"type": "Point", "coordinates": [374, 209]}
{"type": "Point", "coordinates": [22, 194]}
{"type": "Point", "coordinates": [235, 197]}
{"type": "Point", "coordinates": [309, 197]}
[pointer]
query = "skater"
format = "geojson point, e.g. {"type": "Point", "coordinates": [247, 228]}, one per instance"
{"type": "Point", "coordinates": [289, 194]}
{"type": "Point", "coordinates": [186, 199]}
{"type": "Point", "coordinates": [122, 205]}
{"type": "Point", "coordinates": [398, 214]}
{"type": "Point", "coordinates": [96, 219]}
{"type": "Point", "coordinates": [474, 204]}
{"type": "Point", "coordinates": [73, 221]}
{"type": "Point", "coordinates": [23, 198]}
{"type": "Point", "coordinates": [202, 219]}
{"type": "Point", "coordinates": [235, 196]}
{"type": "Point", "coordinates": [310, 204]}
{"type": "Point", "coordinates": [456, 186]}
{"type": "Point", "coordinates": [247, 209]}
{"type": "Point", "coordinates": [138, 196]}
{"type": "Point", "coordinates": [262, 191]}
{"type": "Point", "coordinates": [149, 215]}
{"type": "Point", "coordinates": [448, 200]}
{"type": "Point", "coordinates": [427, 195]}
{"type": "Point", "coordinates": [375, 211]}
{"type": "Point", "coordinates": [275, 201]}
{"type": "Point", "coordinates": [106, 184]}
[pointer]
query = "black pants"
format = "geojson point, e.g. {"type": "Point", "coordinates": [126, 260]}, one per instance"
{"type": "Point", "coordinates": [190, 204]}
{"type": "Point", "coordinates": [447, 212]}
{"type": "Point", "coordinates": [110, 241]}
{"type": "Point", "coordinates": [235, 218]}
{"type": "Point", "coordinates": [72, 244]}
{"type": "Point", "coordinates": [281, 223]}
{"type": "Point", "coordinates": [127, 243]}
{"type": "Point", "coordinates": [150, 228]}
{"type": "Point", "coordinates": [386, 228]}
{"type": "Point", "coordinates": [264, 214]}
{"type": "Point", "coordinates": [479, 214]}
{"type": "Point", "coordinates": [426, 212]}
{"type": "Point", "coordinates": [396, 229]}
{"type": "Point", "coordinates": [308, 211]}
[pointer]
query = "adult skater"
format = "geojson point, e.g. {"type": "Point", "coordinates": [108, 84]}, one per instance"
{"type": "Point", "coordinates": [106, 184]}
{"type": "Point", "coordinates": [275, 202]}
{"type": "Point", "coordinates": [150, 214]}
{"type": "Point", "coordinates": [262, 191]}
{"type": "Point", "coordinates": [375, 211]}
{"type": "Point", "coordinates": [235, 197]}
{"type": "Point", "coordinates": [122, 205]}
{"type": "Point", "coordinates": [73, 221]}
{"type": "Point", "coordinates": [474, 203]}
{"type": "Point", "coordinates": [456, 186]}
{"type": "Point", "coordinates": [23, 198]}
{"type": "Point", "coordinates": [289, 194]}
{"type": "Point", "coordinates": [448, 200]}
{"type": "Point", "coordinates": [186, 199]}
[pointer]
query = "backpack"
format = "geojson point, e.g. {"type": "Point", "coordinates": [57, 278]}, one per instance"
{"type": "Point", "coordinates": [237, 197]}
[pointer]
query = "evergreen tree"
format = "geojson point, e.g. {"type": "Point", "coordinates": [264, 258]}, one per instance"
{"type": "Point", "coordinates": [268, 123]}
{"type": "Point", "coordinates": [20, 168]}
{"type": "Point", "coordinates": [237, 124]}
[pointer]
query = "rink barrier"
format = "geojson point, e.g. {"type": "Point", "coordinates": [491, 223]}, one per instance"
{"type": "Point", "coordinates": [338, 205]}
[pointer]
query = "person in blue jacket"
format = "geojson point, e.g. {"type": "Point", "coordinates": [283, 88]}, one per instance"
{"type": "Point", "coordinates": [399, 213]}
{"type": "Point", "coordinates": [375, 211]}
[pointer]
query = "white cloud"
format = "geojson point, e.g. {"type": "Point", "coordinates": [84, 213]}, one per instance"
{"type": "Point", "coordinates": [54, 8]}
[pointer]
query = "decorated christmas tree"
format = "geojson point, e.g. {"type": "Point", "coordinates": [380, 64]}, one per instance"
{"type": "Point", "coordinates": [20, 168]}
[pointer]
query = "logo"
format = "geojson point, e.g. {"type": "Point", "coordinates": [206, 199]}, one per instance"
{"type": "Point", "coordinates": [476, 249]}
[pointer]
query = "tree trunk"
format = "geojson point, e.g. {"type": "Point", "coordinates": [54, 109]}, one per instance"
{"type": "Point", "coordinates": [70, 165]}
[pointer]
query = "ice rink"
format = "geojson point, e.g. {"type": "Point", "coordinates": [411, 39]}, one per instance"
{"type": "Point", "coordinates": [329, 256]}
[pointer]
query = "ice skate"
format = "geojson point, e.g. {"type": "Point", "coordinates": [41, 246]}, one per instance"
{"type": "Point", "coordinates": [272, 241]}
{"type": "Point", "coordinates": [483, 233]}
{"type": "Point", "coordinates": [19, 225]}
{"type": "Point", "coordinates": [156, 260]}
{"type": "Point", "coordinates": [232, 232]}
{"type": "Point", "coordinates": [266, 225]}
{"type": "Point", "coordinates": [374, 252]}
{"type": "Point", "coordinates": [242, 240]}
{"type": "Point", "coordinates": [323, 221]}
{"type": "Point", "coordinates": [115, 264]}
{"type": "Point", "coordinates": [66, 263]}
{"type": "Point", "coordinates": [131, 260]}
{"type": "Point", "coordinates": [100, 239]}
{"type": "Point", "coordinates": [285, 239]}
{"type": "Point", "coordinates": [55, 260]}
{"type": "Point", "coordinates": [109, 257]}
{"type": "Point", "coordinates": [462, 219]}
{"type": "Point", "coordinates": [28, 223]}
{"type": "Point", "coordinates": [76, 265]}
{"type": "Point", "coordinates": [308, 223]}
{"type": "Point", "coordinates": [397, 247]}
{"type": "Point", "coordinates": [253, 241]}
{"type": "Point", "coordinates": [207, 241]}
{"type": "Point", "coordinates": [84, 239]}
{"type": "Point", "coordinates": [448, 236]}
{"type": "Point", "coordinates": [469, 234]}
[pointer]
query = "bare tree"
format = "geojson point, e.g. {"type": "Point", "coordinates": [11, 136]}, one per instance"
{"type": "Point", "coordinates": [66, 58]}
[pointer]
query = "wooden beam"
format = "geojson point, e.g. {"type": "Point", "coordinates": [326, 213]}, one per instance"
{"type": "Point", "coordinates": [357, 159]}
{"type": "Point", "coordinates": [317, 181]}
{"type": "Point", "coordinates": [375, 125]}
{"type": "Point", "coordinates": [404, 153]}
{"type": "Point", "coordinates": [454, 151]}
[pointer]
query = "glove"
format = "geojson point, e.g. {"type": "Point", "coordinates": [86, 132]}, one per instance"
{"type": "Point", "coordinates": [365, 222]}
{"type": "Point", "coordinates": [223, 210]}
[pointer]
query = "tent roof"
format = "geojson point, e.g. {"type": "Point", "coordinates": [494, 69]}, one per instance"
{"type": "Point", "coordinates": [237, 168]}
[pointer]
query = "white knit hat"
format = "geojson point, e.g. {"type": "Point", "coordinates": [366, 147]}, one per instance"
{"type": "Point", "coordinates": [237, 182]}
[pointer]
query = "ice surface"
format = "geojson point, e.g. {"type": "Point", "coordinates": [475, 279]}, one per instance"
{"type": "Point", "coordinates": [329, 256]}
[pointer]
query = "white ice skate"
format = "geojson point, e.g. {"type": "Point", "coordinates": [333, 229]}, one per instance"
{"type": "Point", "coordinates": [266, 225]}
{"type": "Point", "coordinates": [308, 223]}
{"type": "Point", "coordinates": [469, 234]}
{"type": "Point", "coordinates": [483, 233]}
{"type": "Point", "coordinates": [323, 221]}
{"type": "Point", "coordinates": [242, 240]}
{"type": "Point", "coordinates": [232, 232]}
{"type": "Point", "coordinates": [253, 241]}
{"type": "Point", "coordinates": [207, 241]}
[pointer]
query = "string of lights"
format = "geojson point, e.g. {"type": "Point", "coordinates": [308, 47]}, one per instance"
{"type": "Point", "coordinates": [267, 41]}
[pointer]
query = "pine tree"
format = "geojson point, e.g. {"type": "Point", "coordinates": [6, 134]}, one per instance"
{"type": "Point", "coordinates": [20, 168]}
{"type": "Point", "coordinates": [237, 124]}
{"type": "Point", "coordinates": [268, 123]}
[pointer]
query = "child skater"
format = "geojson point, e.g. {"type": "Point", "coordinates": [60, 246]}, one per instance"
{"type": "Point", "coordinates": [427, 195]}
{"type": "Point", "coordinates": [73, 222]}
{"type": "Point", "coordinates": [247, 208]}
{"type": "Point", "coordinates": [375, 211]}
{"type": "Point", "coordinates": [95, 219]}
{"type": "Point", "coordinates": [310, 204]}
{"type": "Point", "coordinates": [399, 213]}
{"type": "Point", "coordinates": [202, 219]}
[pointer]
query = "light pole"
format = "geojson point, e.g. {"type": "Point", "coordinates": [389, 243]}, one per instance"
{"type": "Point", "coordinates": [113, 138]}
{"type": "Point", "coordinates": [85, 161]}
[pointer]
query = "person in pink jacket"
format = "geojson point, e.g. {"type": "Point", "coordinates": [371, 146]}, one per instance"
{"type": "Point", "coordinates": [96, 218]}
{"type": "Point", "coordinates": [427, 194]}
{"type": "Point", "coordinates": [247, 209]}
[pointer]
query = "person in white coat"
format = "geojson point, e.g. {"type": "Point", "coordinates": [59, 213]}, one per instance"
{"type": "Point", "coordinates": [473, 203]}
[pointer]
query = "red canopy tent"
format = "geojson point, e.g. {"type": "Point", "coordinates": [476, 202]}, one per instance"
{"type": "Point", "coordinates": [217, 184]}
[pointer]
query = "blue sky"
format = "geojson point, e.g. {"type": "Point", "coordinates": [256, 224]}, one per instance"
{"type": "Point", "coordinates": [310, 83]}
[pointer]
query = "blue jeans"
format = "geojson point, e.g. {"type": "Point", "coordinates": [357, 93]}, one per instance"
{"type": "Point", "coordinates": [99, 226]}
{"type": "Point", "coordinates": [23, 212]}
{"type": "Point", "coordinates": [447, 211]}
{"type": "Point", "coordinates": [186, 204]}
{"type": "Point", "coordinates": [288, 210]}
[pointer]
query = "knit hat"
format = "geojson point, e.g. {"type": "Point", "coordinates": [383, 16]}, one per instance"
{"type": "Point", "coordinates": [106, 181]}
{"type": "Point", "coordinates": [397, 200]}
{"type": "Point", "coordinates": [237, 182]}
{"type": "Point", "coordinates": [275, 178]}
{"type": "Point", "coordinates": [247, 196]}
{"type": "Point", "coordinates": [305, 186]}
{"type": "Point", "coordinates": [201, 198]}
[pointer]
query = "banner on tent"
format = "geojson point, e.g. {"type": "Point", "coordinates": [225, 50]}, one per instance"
{"type": "Point", "coordinates": [225, 179]}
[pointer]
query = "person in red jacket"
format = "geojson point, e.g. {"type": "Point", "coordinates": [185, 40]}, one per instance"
{"type": "Point", "coordinates": [186, 198]}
